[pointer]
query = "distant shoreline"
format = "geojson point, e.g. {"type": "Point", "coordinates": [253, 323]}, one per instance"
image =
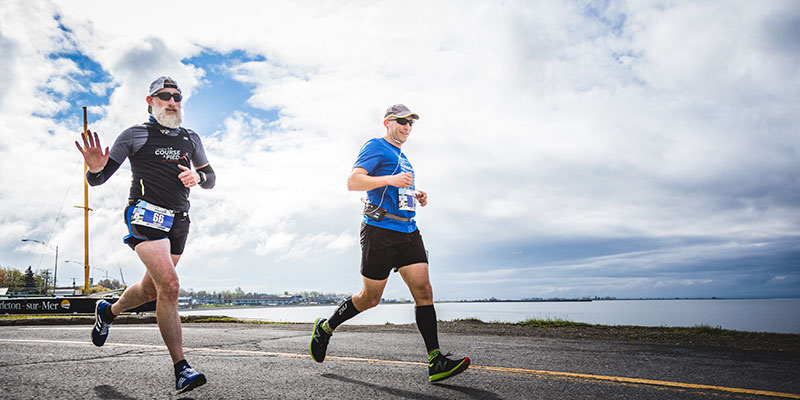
{"type": "Point", "coordinates": [609, 299]}
{"type": "Point", "coordinates": [234, 307]}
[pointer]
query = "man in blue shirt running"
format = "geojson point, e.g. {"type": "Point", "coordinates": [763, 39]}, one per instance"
{"type": "Point", "coordinates": [390, 241]}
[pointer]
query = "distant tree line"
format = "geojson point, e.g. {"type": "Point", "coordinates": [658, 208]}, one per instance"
{"type": "Point", "coordinates": [41, 282]}
{"type": "Point", "coordinates": [25, 282]}
{"type": "Point", "coordinates": [227, 296]}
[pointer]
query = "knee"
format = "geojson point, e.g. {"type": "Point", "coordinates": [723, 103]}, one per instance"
{"type": "Point", "coordinates": [150, 293]}
{"type": "Point", "coordinates": [373, 302]}
{"type": "Point", "coordinates": [364, 302]}
{"type": "Point", "coordinates": [169, 290]}
{"type": "Point", "coordinates": [144, 290]}
{"type": "Point", "coordinates": [425, 290]}
{"type": "Point", "coordinates": [424, 294]}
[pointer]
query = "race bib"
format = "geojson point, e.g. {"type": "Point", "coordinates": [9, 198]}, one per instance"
{"type": "Point", "coordinates": [406, 199]}
{"type": "Point", "coordinates": [152, 216]}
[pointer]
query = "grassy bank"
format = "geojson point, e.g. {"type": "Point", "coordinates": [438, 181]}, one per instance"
{"type": "Point", "coordinates": [697, 336]}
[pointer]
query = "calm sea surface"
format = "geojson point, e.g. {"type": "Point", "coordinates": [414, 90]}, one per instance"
{"type": "Point", "coordinates": [754, 315]}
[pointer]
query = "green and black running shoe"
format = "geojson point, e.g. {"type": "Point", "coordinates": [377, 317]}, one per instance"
{"type": "Point", "coordinates": [319, 341]}
{"type": "Point", "coordinates": [440, 367]}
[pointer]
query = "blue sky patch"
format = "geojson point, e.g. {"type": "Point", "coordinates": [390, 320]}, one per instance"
{"type": "Point", "coordinates": [219, 95]}
{"type": "Point", "coordinates": [89, 72]}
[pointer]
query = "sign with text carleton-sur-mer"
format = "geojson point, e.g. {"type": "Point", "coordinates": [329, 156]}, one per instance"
{"type": "Point", "coordinates": [58, 305]}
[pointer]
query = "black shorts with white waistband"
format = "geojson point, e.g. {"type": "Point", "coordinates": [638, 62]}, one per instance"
{"type": "Point", "coordinates": [384, 250]}
{"type": "Point", "coordinates": [177, 235]}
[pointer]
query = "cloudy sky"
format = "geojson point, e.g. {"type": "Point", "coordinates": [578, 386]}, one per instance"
{"type": "Point", "coordinates": [569, 148]}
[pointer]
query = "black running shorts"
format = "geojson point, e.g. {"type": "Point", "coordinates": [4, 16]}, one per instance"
{"type": "Point", "coordinates": [177, 234]}
{"type": "Point", "coordinates": [384, 250]}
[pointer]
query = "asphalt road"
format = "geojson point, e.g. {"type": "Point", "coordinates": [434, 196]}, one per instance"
{"type": "Point", "coordinates": [244, 361]}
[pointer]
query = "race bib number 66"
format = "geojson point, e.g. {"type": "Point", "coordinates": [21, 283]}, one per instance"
{"type": "Point", "coordinates": [152, 216]}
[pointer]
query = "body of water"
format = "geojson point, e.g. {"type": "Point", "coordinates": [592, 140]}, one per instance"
{"type": "Point", "coordinates": [754, 315]}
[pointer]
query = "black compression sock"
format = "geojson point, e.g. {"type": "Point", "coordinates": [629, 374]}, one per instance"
{"type": "Point", "coordinates": [345, 311]}
{"type": "Point", "coordinates": [426, 323]}
{"type": "Point", "coordinates": [179, 366]}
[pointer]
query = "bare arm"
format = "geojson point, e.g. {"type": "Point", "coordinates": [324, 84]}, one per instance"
{"type": "Point", "coordinates": [360, 181]}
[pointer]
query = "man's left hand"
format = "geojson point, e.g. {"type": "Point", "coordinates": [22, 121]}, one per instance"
{"type": "Point", "coordinates": [188, 177]}
{"type": "Point", "coordinates": [422, 198]}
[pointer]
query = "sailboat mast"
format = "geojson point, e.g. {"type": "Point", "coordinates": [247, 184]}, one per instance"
{"type": "Point", "coordinates": [85, 216]}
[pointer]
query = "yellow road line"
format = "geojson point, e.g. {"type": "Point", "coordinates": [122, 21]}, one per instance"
{"type": "Point", "coordinates": [642, 381]}
{"type": "Point", "coordinates": [472, 367]}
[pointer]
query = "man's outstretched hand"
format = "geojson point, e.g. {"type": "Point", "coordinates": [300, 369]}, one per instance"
{"type": "Point", "coordinates": [92, 152]}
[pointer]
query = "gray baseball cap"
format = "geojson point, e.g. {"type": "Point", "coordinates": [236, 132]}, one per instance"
{"type": "Point", "coordinates": [399, 111]}
{"type": "Point", "coordinates": [161, 83]}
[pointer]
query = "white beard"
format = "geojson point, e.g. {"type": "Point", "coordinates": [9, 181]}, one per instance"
{"type": "Point", "coordinates": [171, 121]}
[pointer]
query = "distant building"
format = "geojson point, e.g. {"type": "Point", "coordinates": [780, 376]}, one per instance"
{"type": "Point", "coordinates": [184, 302]}
{"type": "Point", "coordinates": [265, 301]}
{"type": "Point", "coordinates": [206, 300]}
{"type": "Point", "coordinates": [324, 299]}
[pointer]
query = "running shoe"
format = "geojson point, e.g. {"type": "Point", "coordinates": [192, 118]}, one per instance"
{"type": "Point", "coordinates": [319, 341]}
{"type": "Point", "coordinates": [188, 379]}
{"type": "Point", "coordinates": [100, 329]}
{"type": "Point", "coordinates": [440, 367]}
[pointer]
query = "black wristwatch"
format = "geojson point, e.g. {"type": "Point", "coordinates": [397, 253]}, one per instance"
{"type": "Point", "coordinates": [202, 177]}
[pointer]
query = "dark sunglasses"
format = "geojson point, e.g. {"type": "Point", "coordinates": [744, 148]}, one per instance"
{"type": "Point", "coordinates": [403, 121]}
{"type": "Point", "coordinates": [166, 96]}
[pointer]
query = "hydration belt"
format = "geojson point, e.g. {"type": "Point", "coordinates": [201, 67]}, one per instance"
{"type": "Point", "coordinates": [377, 213]}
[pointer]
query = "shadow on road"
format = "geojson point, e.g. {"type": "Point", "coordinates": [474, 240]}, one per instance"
{"type": "Point", "coordinates": [466, 391]}
{"type": "Point", "coordinates": [109, 392]}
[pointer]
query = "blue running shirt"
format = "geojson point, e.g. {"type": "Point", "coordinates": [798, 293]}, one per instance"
{"type": "Point", "coordinates": [380, 158]}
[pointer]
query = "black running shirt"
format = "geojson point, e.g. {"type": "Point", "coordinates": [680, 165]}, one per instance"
{"type": "Point", "coordinates": [155, 153]}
